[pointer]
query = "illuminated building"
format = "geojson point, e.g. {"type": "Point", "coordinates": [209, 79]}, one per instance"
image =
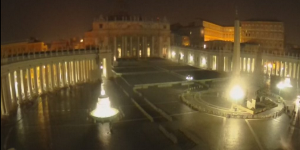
{"type": "Point", "coordinates": [20, 48]}
{"type": "Point", "coordinates": [269, 35]}
{"type": "Point", "coordinates": [73, 43]}
{"type": "Point", "coordinates": [129, 36]}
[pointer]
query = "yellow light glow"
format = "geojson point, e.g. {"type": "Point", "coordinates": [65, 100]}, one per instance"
{"type": "Point", "coordinates": [173, 54]}
{"type": "Point", "coordinates": [280, 85]}
{"type": "Point", "coordinates": [181, 56]}
{"type": "Point", "coordinates": [237, 92]}
{"type": "Point", "coordinates": [270, 65]}
{"type": "Point", "coordinates": [203, 61]}
{"type": "Point", "coordinates": [287, 82]}
{"type": "Point", "coordinates": [189, 78]}
{"type": "Point", "coordinates": [191, 58]}
{"type": "Point", "coordinates": [102, 92]}
{"type": "Point", "coordinates": [81, 40]}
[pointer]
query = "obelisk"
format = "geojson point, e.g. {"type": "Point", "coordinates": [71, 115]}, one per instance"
{"type": "Point", "coordinates": [237, 48]}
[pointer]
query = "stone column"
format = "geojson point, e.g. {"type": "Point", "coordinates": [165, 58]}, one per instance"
{"type": "Point", "coordinates": [29, 80]}
{"type": "Point", "coordinates": [152, 47]}
{"type": "Point", "coordinates": [250, 65]}
{"type": "Point", "coordinates": [42, 78]}
{"type": "Point", "coordinates": [115, 47]}
{"type": "Point", "coordinates": [63, 73]}
{"type": "Point", "coordinates": [69, 72]}
{"type": "Point", "coordinates": [168, 46]}
{"type": "Point", "coordinates": [19, 85]}
{"type": "Point", "coordinates": [25, 83]}
{"type": "Point", "coordinates": [122, 46]}
{"type": "Point", "coordinates": [36, 81]}
{"type": "Point", "coordinates": [74, 71]}
{"type": "Point", "coordinates": [298, 71]}
{"type": "Point", "coordinates": [86, 74]}
{"type": "Point", "coordinates": [138, 48]}
{"type": "Point", "coordinates": [131, 51]}
{"type": "Point", "coordinates": [84, 69]}
{"type": "Point", "coordinates": [285, 69]}
{"type": "Point", "coordinates": [58, 79]}
{"type": "Point", "coordinates": [81, 71]}
{"type": "Point", "coordinates": [47, 81]}
{"type": "Point", "coordinates": [4, 93]}
{"type": "Point", "coordinates": [144, 53]}
{"type": "Point", "coordinates": [10, 97]}
{"type": "Point", "coordinates": [52, 76]}
{"type": "Point", "coordinates": [290, 69]}
{"type": "Point", "coordinates": [160, 47]}
{"type": "Point", "coordinates": [125, 46]}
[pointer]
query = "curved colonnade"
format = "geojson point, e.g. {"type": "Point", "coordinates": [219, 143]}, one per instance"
{"type": "Point", "coordinates": [24, 80]}
{"type": "Point", "coordinates": [282, 65]}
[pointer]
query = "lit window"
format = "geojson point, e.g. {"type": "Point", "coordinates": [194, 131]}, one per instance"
{"type": "Point", "coordinates": [148, 52]}
{"type": "Point", "coordinates": [119, 52]}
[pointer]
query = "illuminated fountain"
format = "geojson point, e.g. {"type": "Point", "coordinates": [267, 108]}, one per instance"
{"type": "Point", "coordinates": [103, 111]}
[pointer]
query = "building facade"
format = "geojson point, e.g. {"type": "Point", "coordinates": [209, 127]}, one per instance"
{"type": "Point", "coordinates": [130, 36]}
{"type": "Point", "coordinates": [22, 48]}
{"type": "Point", "coordinates": [73, 43]}
{"type": "Point", "coordinates": [269, 35]}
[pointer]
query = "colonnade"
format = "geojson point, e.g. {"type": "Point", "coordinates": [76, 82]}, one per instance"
{"type": "Point", "coordinates": [282, 68]}
{"type": "Point", "coordinates": [140, 46]}
{"type": "Point", "coordinates": [222, 61]}
{"type": "Point", "coordinates": [26, 82]}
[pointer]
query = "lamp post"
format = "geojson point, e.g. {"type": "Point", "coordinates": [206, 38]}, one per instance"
{"type": "Point", "coordinates": [280, 86]}
{"type": "Point", "coordinates": [285, 84]}
{"type": "Point", "coordinates": [237, 93]}
{"type": "Point", "coordinates": [189, 78]}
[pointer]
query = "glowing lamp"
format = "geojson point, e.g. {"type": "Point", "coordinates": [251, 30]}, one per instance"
{"type": "Point", "coordinates": [173, 54]}
{"type": "Point", "coordinates": [270, 65]}
{"type": "Point", "coordinates": [203, 61]}
{"type": "Point", "coordinates": [189, 78]}
{"type": "Point", "coordinates": [280, 85]}
{"type": "Point", "coordinates": [237, 92]}
{"type": "Point", "coordinates": [181, 56]}
{"type": "Point", "coordinates": [191, 58]}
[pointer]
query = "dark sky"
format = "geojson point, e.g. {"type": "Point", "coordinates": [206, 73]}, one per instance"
{"type": "Point", "coordinates": [55, 19]}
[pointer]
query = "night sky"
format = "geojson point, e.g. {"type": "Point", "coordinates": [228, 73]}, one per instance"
{"type": "Point", "coordinates": [57, 19]}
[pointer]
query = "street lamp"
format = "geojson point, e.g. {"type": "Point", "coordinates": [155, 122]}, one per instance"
{"type": "Point", "coordinates": [237, 93]}
{"type": "Point", "coordinates": [280, 86]}
{"type": "Point", "coordinates": [285, 84]}
{"type": "Point", "coordinates": [189, 78]}
{"type": "Point", "coordinates": [173, 54]}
